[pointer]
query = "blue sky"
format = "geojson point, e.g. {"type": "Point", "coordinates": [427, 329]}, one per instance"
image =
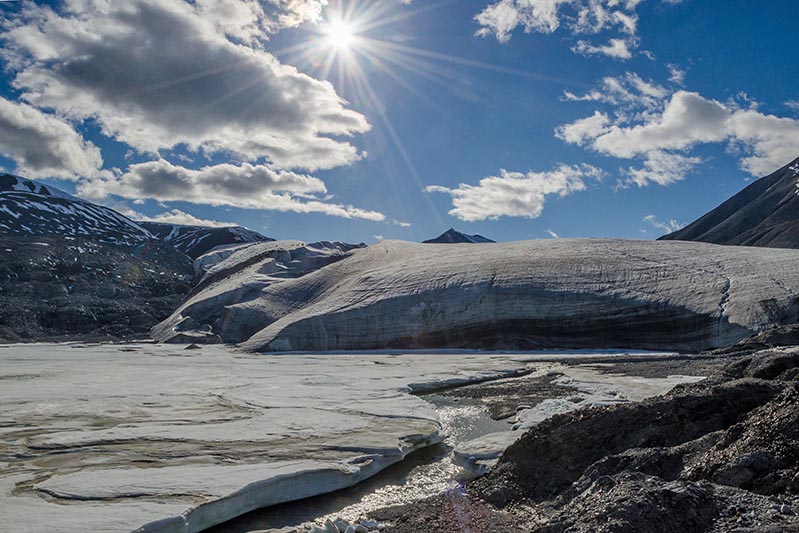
{"type": "Point", "coordinates": [515, 119]}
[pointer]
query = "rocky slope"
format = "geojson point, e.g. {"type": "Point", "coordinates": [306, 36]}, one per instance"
{"type": "Point", "coordinates": [29, 208]}
{"type": "Point", "coordinates": [57, 287]}
{"type": "Point", "coordinates": [766, 213]}
{"type": "Point", "coordinates": [523, 295]}
{"type": "Point", "coordinates": [718, 456]}
{"type": "Point", "coordinates": [451, 236]}
{"type": "Point", "coordinates": [195, 241]}
{"type": "Point", "coordinates": [73, 269]}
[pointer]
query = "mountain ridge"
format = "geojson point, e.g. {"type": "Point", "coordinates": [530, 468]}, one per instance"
{"type": "Point", "coordinates": [196, 241]}
{"type": "Point", "coordinates": [33, 209]}
{"type": "Point", "coordinates": [453, 236]}
{"type": "Point", "coordinates": [765, 214]}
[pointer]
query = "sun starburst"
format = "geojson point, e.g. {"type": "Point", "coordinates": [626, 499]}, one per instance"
{"type": "Point", "coordinates": [357, 39]}
{"type": "Point", "coordinates": [340, 34]}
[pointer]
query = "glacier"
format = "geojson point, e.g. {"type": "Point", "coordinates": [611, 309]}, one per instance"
{"type": "Point", "coordinates": [564, 293]}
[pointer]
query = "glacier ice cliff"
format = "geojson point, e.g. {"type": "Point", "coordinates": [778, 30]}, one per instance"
{"type": "Point", "coordinates": [565, 293]}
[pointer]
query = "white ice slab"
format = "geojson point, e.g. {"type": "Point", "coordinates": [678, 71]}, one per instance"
{"type": "Point", "coordinates": [117, 438]}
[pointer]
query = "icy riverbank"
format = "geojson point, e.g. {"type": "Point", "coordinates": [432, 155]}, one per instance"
{"type": "Point", "coordinates": [146, 437]}
{"type": "Point", "coordinates": [116, 438]}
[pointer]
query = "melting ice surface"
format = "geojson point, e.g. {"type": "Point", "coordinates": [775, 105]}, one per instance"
{"type": "Point", "coordinates": [423, 474]}
{"type": "Point", "coordinates": [159, 438]}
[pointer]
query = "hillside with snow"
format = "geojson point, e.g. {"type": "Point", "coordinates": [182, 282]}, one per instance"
{"type": "Point", "coordinates": [196, 241]}
{"type": "Point", "coordinates": [71, 269]}
{"type": "Point", "coordinates": [30, 208]}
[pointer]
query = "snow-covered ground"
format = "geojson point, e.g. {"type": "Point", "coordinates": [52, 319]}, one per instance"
{"type": "Point", "coordinates": [160, 438]}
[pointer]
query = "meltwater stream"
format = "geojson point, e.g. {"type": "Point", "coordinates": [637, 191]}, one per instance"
{"type": "Point", "coordinates": [424, 473]}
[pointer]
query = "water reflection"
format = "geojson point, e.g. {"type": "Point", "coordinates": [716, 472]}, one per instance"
{"type": "Point", "coordinates": [425, 473]}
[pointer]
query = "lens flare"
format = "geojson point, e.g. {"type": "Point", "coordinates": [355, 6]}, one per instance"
{"type": "Point", "coordinates": [340, 34]}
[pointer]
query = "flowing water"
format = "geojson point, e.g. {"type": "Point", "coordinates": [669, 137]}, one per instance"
{"type": "Point", "coordinates": [425, 473]}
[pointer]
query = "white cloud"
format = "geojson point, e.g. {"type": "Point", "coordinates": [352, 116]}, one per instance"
{"type": "Point", "coordinates": [662, 168]}
{"type": "Point", "coordinates": [156, 74]}
{"type": "Point", "coordinates": [580, 17]}
{"type": "Point", "coordinates": [629, 95]}
{"type": "Point", "coordinates": [668, 226]}
{"type": "Point", "coordinates": [663, 131]}
{"type": "Point", "coordinates": [793, 105]}
{"type": "Point", "coordinates": [45, 146]}
{"type": "Point", "coordinates": [502, 18]}
{"type": "Point", "coordinates": [552, 234]}
{"type": "Point", "coordinates": [676, 75]}
{"type": "Point", "coordinates": [176, 216]}
{"type": "Point", "coordinates": [514, 193]}
{"type": "Point", "coordinates": [616, 48]}
{"type": "Point", "coordinates": [245, 185]}
{"type": "Point", "coordinates": [585, 129]}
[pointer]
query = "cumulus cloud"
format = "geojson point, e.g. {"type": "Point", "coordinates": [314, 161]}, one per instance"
{"type": "Point", "coordinates": [253, 20]}
{"type": "Point", "coordinates": [662, 168]}
{"type": "Point", "coordinates": [43, 145]}
{"type": "Point", "coordinates": [668, 226]}
{"type": "Point", "coordinates": [661, 128]}
{"type": "Point", "coordinates": [176, 216]}
{"type": "Point", "coordinates": [156, 74]}
{"type": "Point", "coordinates": [579, 17]}
{"type": "Point", "coordinates": [248, 186]}
{"type": "Point", "coordinates": [515, 194]}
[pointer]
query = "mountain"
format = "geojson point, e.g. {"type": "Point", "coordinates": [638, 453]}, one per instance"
{"type": "Point", "coordinates": [30, 208]}
{"type": "Point", "coordinates": [71, 269]}
{"type": "Point", "coordinates": [766, 213]}
{"type": "Point", "coordinates": [563, 293]}
{"type": "Point", "coordinates": [195, 241]}
{"type": "Point", "coordinates": [451, 236]}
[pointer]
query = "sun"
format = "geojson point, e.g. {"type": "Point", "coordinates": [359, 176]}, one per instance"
{"type": "Point", "coordinates": [340, 34]}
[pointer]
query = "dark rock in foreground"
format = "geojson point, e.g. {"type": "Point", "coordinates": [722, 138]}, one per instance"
{"type": "Point", "coordinates": [766, 213]}
{"type": "Point", "coordinates": [718, 456]}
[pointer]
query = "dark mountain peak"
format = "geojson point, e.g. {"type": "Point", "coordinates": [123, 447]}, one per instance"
{"type": "Point", "coordinates": [29, 208]}
{"type": "Point", "coordinates": [15, 184]}
{"type": "Point", "coordinates": [195, 241]}
{"type": "Point", "coordinates": [766, 213]}
{"type": "Point", "coordinates": [452, 236]}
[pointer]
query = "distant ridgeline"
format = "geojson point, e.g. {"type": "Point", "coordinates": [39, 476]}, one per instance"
{"type": "Point", "coordinates": [31, 208]}
{"type": "Point", "coordinates": [195, 241]}
{"type": "Point", "coordinates": [451, 236]}
{"type": "Point", "coordinates": [766, 213]}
